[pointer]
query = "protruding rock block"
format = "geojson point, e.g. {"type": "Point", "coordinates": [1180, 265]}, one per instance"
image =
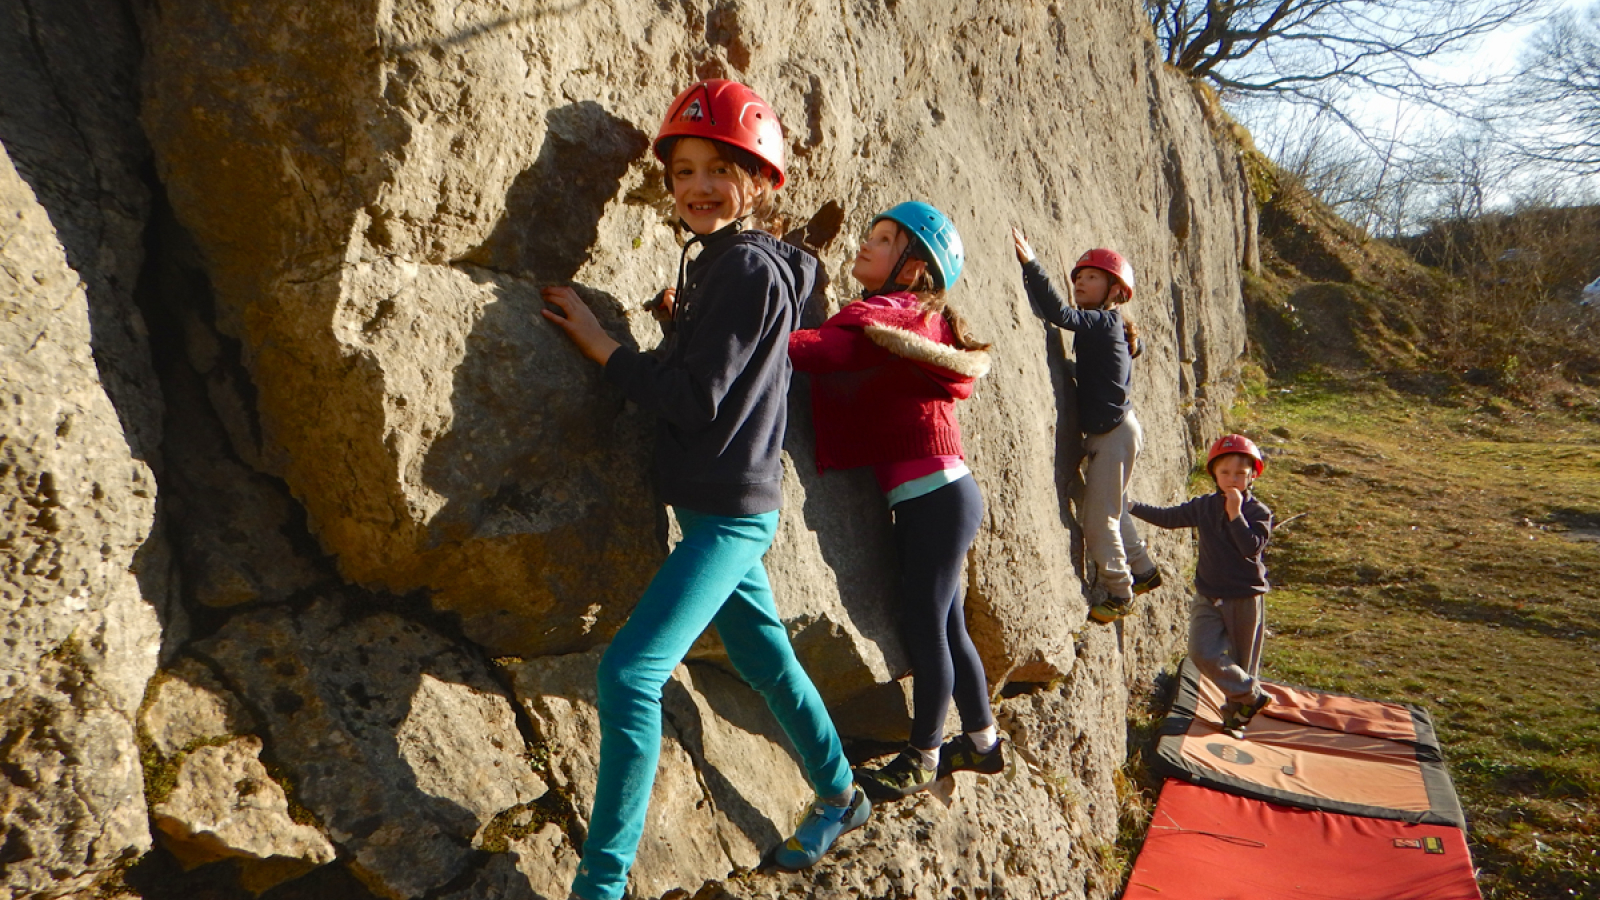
{"type": "Point", "coordinates": [225, 806]}
{"type": "Point", "coordinates": [391, 735]}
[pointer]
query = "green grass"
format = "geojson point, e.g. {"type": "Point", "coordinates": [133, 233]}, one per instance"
{"type": "Point", "coordinates": [1440, 551]}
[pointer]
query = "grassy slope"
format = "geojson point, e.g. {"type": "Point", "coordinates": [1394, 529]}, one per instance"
{"type": "Point", "coordinates": [1447, 547]}
{"type": "Point", "coordinates": [1443, 556]}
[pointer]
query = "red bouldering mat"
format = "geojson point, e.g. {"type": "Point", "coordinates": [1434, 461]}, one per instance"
{"type": "Point", "coordinates": [1207, 845]}
{"type": "Point", "coordinates": [1314, 750]}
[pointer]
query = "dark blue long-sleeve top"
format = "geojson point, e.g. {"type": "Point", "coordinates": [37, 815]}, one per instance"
{"type": "Point", "coordinates": [720, 390]}
{"type": "Point", "coordinates": [1230, 565]}
{"type": "Point", "coordinates": [1105, 366]}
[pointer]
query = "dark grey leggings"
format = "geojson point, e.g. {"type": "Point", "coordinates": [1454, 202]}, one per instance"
{"type": "Point", "coordinates": [932, 534]}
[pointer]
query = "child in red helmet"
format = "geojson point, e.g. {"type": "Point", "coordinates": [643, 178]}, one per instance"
{"type": "Point", "coordinates": [720, 391]}
{"type": "Point", "coordinates": [886, 372]}
{"type": "Point", "coordinates": [1105, 344]}
{"type": "Point", "coordinates": [1228, 616]}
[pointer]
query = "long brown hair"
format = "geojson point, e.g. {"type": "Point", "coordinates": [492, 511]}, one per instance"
{"type": "Point", "coordinates": [1130, 328]}
{"type": "Point", "coordinates": [934, 301]}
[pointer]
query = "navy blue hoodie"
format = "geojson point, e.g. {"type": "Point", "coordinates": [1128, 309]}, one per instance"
{"type": "Point", "coordinates": [1105, 368]}
{"type": "Point", "coordinates": [1230, 566]}
{"type": "Point", "coordinates": [721, 388]}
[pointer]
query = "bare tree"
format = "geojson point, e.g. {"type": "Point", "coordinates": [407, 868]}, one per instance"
{"type": "Point", "coordinates": [1290, 47]}
{"type": "Point", "coordinates": [1466, 173]}
{"type": "Point", "coordinates": [1555, 98]}
{"type": "Point", "coordinates": [1320, 153]}
{"type": "Point", "coordinates": [1383, 183]}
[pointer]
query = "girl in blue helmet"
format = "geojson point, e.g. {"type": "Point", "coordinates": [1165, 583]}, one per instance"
{"type": "Point", "coordinates": [887, 371]}
{"type": "Point", "coordinates": [720, 393]}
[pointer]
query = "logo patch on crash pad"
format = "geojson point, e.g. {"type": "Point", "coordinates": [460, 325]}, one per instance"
{"type": "Point", "coordinates": [1231, 753]}
{"type": "Point", "coordinates": [1427, 844]}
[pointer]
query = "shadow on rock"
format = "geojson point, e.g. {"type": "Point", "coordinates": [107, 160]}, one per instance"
{"type": "Point", "coordinates": [547, 515]}
{"type": "Point", "coordinates": [1069, 439]}
{"type": "Point", "coordinates": [553, 209]}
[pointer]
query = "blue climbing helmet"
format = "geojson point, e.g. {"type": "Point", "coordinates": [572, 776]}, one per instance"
{"type": "Point", "coordinates": [935, 237]}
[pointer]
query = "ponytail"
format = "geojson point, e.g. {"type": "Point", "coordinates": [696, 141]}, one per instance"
{"type": "Point", "coordinates": [964, 338]}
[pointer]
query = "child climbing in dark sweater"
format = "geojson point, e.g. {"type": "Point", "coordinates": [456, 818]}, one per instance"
{"type": "Point", "coordinates": [1227, 618]}
{"type": "Point", "coordinates": [720, 392]}
{"type": "Point", "coordinates": [1105, 343]}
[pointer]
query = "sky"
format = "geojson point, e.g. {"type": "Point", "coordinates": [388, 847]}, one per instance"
{"type": "Point", "coordinates": [1495, 55]}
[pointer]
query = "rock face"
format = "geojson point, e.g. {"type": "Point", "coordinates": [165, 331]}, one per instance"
{"type": "Point", "coordinates": [395, 739]}
{"type": "Point", "coordinates": [80, 641]}
{"type": "Point", "coordinates": [79, 418]}
{"type": "Point", "coordinates": [380, 191]}
{"type": "Point", "coordinates": [406, 517]}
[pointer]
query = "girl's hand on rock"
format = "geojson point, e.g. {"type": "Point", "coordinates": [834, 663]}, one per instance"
{"type": "Point", "coordinates": [579, 323]}
{"type": "Point", "coordinates": [1024, 251]}
{"type": "Point", "coordinates": [665, 305]}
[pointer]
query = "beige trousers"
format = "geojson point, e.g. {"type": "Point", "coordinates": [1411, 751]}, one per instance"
{"type": "Point", "coordinates": [1108, 532]}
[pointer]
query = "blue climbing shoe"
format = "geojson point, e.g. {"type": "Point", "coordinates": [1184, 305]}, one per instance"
{"type": "Point", "coordinates": [818, 830]}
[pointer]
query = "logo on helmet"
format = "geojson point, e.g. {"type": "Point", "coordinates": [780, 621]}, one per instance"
{"type": "Point", "coordinates": [692, 112]}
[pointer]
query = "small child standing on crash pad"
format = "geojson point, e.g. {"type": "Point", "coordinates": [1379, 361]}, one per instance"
{"type": "Point", "coordinates": [1228, 616]}
{"type": "Point", "coordinates": [887, 371]}
{"type": "Point", "coordinates": [1105, 344]}
{"type": "Point", "coordinates": [720, 392]}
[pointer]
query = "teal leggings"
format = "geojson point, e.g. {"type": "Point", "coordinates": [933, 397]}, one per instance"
{"type": "Point", "coordinates": [714, 576]}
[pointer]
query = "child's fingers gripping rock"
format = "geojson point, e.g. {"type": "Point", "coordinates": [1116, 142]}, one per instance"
{"type": "Point", "coordinates": [578, 321]}
{"type": "Point", "coordinates": [663, 305]}
{"type": "Point", "coordinates": [1024, 249]}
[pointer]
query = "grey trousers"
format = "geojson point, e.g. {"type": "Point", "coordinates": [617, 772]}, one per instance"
{"type": "Point", "coordinates": [1109, 535]}
{"type": "Point", "coordinates": [1225, 642]}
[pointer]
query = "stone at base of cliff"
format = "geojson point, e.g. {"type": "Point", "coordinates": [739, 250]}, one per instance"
{"type": "Point", "coordinates": [225, 805]}
{"type": "Point", "coordinates": [396, 739]}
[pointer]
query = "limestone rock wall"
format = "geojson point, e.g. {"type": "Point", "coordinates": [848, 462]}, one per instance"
{"type": "Point", "coordinates": [84, 575]}
{"type": "Point", "coordinates": [280, 411]}
{"type": "Point", "coordinates": [378, 192]}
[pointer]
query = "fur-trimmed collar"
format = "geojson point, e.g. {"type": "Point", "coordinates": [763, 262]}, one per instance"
{"type": "Point", "coordinates": [910, 345]}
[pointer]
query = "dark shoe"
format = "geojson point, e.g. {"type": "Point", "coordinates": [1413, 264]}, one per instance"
{"type": "Point", "coordinates": [818, 830]}
{"type": "Point", "coordinates": [1111, 609]}
{"type": "Point", "coordinates": [1235, 720]}
{"type": "Point", "coordinates": [959, 754]}
{"type": "Point", "coordinates": [1149, 581]}
{"type": "Point", "coordinates": [902, 777]}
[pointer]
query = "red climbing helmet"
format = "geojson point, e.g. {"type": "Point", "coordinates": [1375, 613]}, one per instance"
{"type": "Point", "coordinates": [1110, 262]}
{"type": "Point", "coordinates": [1236, 443]}
{"type": "Point", "coordinates": [721, 110]}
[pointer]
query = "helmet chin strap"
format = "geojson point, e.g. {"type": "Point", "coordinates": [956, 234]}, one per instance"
{"type": "Point", "coordinates": [892, 283]}
{"type": "Point", "coordinates": [734, 227]}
